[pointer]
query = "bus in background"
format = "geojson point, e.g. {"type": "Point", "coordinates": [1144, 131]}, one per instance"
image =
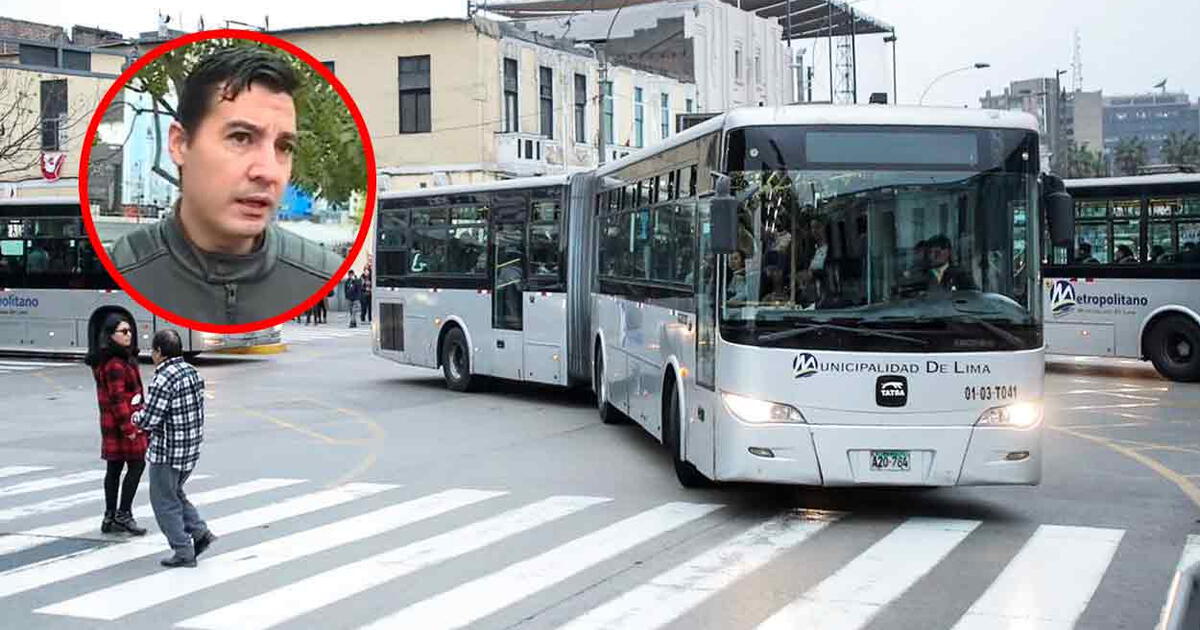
{"type": "Point", "coordinates": [55, 293]}
{"type": "Point", "coordinates": [1130, 287]}
{"type": "Point", "coordinates": [813, 294]}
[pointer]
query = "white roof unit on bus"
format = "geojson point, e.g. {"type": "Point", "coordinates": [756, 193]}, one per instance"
{"type": "Point", "coordinates": [879, 115]}
{"type": "Point", "coordinates": [1135, 180]}
{"type": "Point", "coordinates": [460, 189]}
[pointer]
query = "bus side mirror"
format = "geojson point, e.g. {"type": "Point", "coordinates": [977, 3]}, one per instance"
{"type": "Point", "coordinates": [1060, 211]}
{"type": "Point", "coordinates": [723, 210]}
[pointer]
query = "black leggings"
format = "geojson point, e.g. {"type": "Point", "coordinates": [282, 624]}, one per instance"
{"type": "Point", "coordinates": [113, 478]}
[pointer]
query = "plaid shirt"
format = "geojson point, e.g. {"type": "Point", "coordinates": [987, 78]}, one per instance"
{"type": "Point", "coordinates": [173, 415]}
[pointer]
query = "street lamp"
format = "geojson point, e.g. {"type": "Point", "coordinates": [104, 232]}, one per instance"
{"type": "Point", "coordinates": [891, 39]}
{"type": "Point", "coordinates": [974, 66]}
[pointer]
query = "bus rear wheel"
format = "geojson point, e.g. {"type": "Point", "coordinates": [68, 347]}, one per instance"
{"type": "Point", "coordinates": [1173, 346]}
{"type": "Point", "coordinates": [672, 428]}
{"type": "Point", "coordinates": [456, 360]}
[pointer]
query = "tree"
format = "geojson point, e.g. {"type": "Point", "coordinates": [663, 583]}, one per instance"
{"type": "Point", "coordinates": [1181, 148]}
{"type": "Point", "coordinates": [21, 122]}
{"type": "Point", "coordinates": [1083, 162]}
{"type": "Point", "coordinates": [1130, 155]}
{"type": "Point", "coordinates": [329, 161]}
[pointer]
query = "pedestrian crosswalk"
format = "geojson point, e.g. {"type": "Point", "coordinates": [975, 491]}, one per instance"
{"type": "Point", "coordinates": [18, 365]}
{"type": "Point", "coordinates": [661, 562]}
{"type": "Point", "coordinates": [300, 333]}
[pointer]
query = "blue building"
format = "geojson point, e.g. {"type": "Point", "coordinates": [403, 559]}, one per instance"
{"type": "Point", "coordinates": [1151, 118]}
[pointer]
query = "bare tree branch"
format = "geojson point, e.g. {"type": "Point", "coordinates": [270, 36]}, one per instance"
{"type": "Point", "coordinates": [158, 169]}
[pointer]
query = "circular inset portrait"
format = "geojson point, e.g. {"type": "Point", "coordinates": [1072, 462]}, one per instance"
{"type": "Point", "coordinates": [229, 181]}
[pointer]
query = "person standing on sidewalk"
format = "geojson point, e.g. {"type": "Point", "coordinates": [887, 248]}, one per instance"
{"type": "Point", "coordinates": [353, 290]}
{"type": "Point", "coordinates": [174, 417]}
{"type": "Point", "coordinates": [113, 359]}
{"type": "Point", "coordinates": [364, 312]}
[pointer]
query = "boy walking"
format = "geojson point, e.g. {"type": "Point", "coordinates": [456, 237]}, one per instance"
{"type": "Point", "coordinates": [174, 417]}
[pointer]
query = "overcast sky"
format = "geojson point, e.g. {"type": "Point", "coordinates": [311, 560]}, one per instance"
{"type": "Point", "coordinates": [1127, 45]}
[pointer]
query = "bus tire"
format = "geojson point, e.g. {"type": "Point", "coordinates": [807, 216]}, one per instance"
{"type": "Point", "coordinates": [455, 356]}
{"type": "Point", "coordinates": [608, 413]}
{"type": "Point", "coordinates": [672, 427]}
{"type": "Point", "coordinates": [1173, 346]}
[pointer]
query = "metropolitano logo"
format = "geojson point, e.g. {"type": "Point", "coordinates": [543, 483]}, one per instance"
{"type": "Point", "coordinates": [805, 364]}
{"type": "Point", "coordinates": [1062, 297]}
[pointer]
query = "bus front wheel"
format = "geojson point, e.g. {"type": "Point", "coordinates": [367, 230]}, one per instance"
{"type": "Point", "coordinates": [456, 360]}
{"type": "Point", "coordinates": [608, 413]}
{"type": "Point", "coordinates": [1173, 346]}
{"type": "Point", "coordinates": [672, 428]}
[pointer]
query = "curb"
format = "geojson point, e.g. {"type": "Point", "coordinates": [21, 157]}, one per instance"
{"type": "Point", "coordinates": [270, 348]}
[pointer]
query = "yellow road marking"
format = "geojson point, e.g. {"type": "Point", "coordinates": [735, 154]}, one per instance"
{"type": "Point", "coordinates": [1182, 481]}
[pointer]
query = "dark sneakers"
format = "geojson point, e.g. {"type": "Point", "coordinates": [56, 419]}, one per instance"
{"type": "Point", "coordinates": [202, 543]}
{"type": "Point", "coordinates": [177, 560]}
{"type": "Point", "coordinates": [123, 521]}
{"type": "Point", "coordinates": [106, 525]}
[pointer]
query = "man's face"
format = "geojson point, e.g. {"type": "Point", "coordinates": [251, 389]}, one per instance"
{"type": "Point", "coordinates": [939, 256]}
{"type": "Point", "coordinates": [237, 162]}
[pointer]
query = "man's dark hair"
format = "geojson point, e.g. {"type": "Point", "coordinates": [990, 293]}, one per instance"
{"type": "Point", "coordinates": [938, 242]}
{"type": "Point", "coordinates": [227, 72]}
{"type": "Point", "coordinates": [168, 343]}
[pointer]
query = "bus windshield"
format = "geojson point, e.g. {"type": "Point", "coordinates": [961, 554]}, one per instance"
{"type": "Point", "coordinates": [883, 239]}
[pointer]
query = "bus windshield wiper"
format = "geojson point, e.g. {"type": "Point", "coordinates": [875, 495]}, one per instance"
{"type": "Point", "coordinates": [794, 332]}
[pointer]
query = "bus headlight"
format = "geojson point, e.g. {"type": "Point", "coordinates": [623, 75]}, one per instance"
{"type": "Point", "coordinates": [758, 411]}
{"type": "Point", "coordinates": [1022, 415]}
{"type": "Point", "coordinates": [211, 339]}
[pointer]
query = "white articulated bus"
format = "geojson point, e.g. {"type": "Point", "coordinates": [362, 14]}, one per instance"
{"type": "Point", "coordinates": [55, 294]}
{"type": "Point", "coordinates": [1131, 284]}
{"type": "Point", "coordinates": [808, 294]}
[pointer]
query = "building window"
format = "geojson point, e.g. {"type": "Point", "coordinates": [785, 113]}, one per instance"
{"type": "Point", "coordinates": [77, 60]}
{"type": "Point", "coordinates": [332, 66]}
{"type": "Point", "coordinates": [666, 115]}
{"type": "Point", "coordinates": [639, 118]}
{"type": "Point", "coordinates": [737, 64]}
{"type": "Point", "coordinates": [758, 68]}
{"type": "Point", "coordinates": [580, 108]}
{"type": "Point", "coordinates": [54, 113]}
{"type": "Point", "coordinates": [546, 100]}
{"type": "Point", "coordinates": [414, 95]}
{"type": "Point", "coordinates": [38, 55]}
{"type": "Point", "coordinates": [689, 105]}
{"type": "Point", "coordinates": [609, 135]}
{"type": "Point", "coordinates": [511, 124]}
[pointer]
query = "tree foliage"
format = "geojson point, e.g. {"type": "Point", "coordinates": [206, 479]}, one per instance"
{"type": "Point", "coordinates": [1083, 162]}
{"type": "Point", "coordinates": [1130, 155]}
{"type": "Point", "coordinates": [329, 161]}
{"type": "Point", "coordinates": [1181, 148]}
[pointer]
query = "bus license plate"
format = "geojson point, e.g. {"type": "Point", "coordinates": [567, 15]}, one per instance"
{"type": "Point", "coordinates": [890, 460]}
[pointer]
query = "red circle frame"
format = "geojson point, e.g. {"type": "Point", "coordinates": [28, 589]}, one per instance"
{"type": "Point", "coordinates": [85, 157]}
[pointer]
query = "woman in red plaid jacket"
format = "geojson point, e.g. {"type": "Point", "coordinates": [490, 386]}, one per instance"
{"type": "Point", "coordinates": [113, 359]}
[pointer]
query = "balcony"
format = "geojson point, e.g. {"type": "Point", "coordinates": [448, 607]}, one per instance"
{"type": "Point", "coordinates": [528, 154]}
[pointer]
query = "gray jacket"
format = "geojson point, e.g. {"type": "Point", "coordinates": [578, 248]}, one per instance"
{"type": "Point", "coordinates": [164, 266]}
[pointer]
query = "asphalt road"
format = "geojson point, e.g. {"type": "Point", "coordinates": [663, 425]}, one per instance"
{"type": "Point", "coordinates": [349, 490]}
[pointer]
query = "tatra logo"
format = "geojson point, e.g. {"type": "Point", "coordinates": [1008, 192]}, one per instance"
{"type": "Point", "coordinates": [804, 364]}
{"type": "Point", "coordinates": [891, 390]}
{"type": "Point", "coordinates": [1062, 297]}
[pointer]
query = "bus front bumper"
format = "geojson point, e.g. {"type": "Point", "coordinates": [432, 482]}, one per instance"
{"type": "Point", "coordinates": [841, 455]}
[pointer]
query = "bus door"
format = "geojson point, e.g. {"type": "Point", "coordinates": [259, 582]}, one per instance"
{"type": "Point", "coordinates": [545, 299]}
{"type": "Point", "coordinates": [508, 284]}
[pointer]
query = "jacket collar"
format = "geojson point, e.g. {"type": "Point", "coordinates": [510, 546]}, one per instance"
{"type": "Point", "coordinates": [217, 268]}
{"type": "Point", "coordinates": [167, 363]}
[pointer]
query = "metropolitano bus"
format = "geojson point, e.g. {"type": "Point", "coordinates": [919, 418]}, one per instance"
{"type": "Point", "coordinates": [55, 294]}
{"type": "Point", "coordinates": [807, 294]}
{"type": "Point", "coordinates": [1130, 285]}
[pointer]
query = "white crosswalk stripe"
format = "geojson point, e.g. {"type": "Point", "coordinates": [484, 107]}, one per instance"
{"type": "Point", "coordinates": [53, 570]}
{"type": "Point", "coordinates": [51, 483]}
{"type": "Point", "coordinates": [293, 333]}
{"type": "Point", "coordinates": [23, 365]}
{"type": "Point", "coordinates": [109, 604]}
{"type": "Point", "coordinates": [1049, 583]}
{"type": "Point", "coordinates": [667, 596]}
{"type": "Point", "coordinates": [13, 471]}
{"type": "Point", "coordinates": [481, 597]}
{"type": "Point", "coordinates": [87, 525]}
{"type": "Point", "coordinates": [289, 602]}
{"type": "Point", "coordinates": [851, 597]}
